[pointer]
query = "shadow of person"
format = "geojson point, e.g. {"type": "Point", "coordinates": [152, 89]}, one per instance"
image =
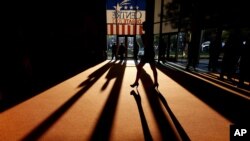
{"type": "Point", "coordinates": [164, 122]}
{"type": "Point", "coordinates": [145, 128]}
{"type": "Point", "coordinates": [177, 124]}
{"type": "Point", "coordinates": [146, 131]}
{"type": "Point", "coordinates": [93, 77]}
{"type": "Point", "coordinates": [102, 129]}
{"type": "Point", "coordinates": [37, 132]}
{"type": "Point", "coordinates": [112, 73]}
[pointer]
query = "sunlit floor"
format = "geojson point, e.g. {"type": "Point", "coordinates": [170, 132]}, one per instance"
{"type": "Point", "coordinates": [99, 104]}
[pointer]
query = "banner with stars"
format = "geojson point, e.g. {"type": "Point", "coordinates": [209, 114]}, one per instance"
{"type": "Point", "coordinates": [124, 17]}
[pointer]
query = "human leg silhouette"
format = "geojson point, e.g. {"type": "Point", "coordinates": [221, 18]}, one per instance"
{"type": "Point", "coordinates": [153, 68]}
{"type": "Point", "coordinates": [138, 74]}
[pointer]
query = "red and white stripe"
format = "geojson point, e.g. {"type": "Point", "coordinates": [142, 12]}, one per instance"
{"type": "Point", "coordinates": [124, 29]}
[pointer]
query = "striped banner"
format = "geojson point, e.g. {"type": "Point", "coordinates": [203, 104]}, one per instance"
{"type": "Point", "coordinates": [124, 29]}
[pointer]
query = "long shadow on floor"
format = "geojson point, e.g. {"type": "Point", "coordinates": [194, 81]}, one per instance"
{"type": "Point", "coordinates": [145, 128]}
{"type": "Point", "coordinates": [17, 89]}
{"type": "Point", "coordinates": [164, 122]}
{"type": "Point", "coordinates": [37, 132]}
{"type": "Point", "coordinates": [231, 106]}
{"type": "Point", "coordinates": [214, 77]}
{"type": "Point", "coordinates": [102, 129]}
{"type": "Point", "coordinates": [178, 126]}
{"type": "Point", "coordinates": [226, 83]}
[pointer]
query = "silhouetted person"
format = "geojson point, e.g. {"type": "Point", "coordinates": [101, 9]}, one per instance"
{"type": "Point", "coordinates": [244, 63]}
{"type": "Point", "coordinates": [136, 50]}
{"type": "Point", "coordinates": [121, 51]}
{"type": "Point", "coordinates": [214, 52]}
{"type": "Point", "coordinates": [114, 51]}
{"type": "Point", "coordinates": [231, 55]}
{"type": "Point", "coordinates": [148, 56]}
{"type": "Point", "coordinates": [162, 50]}
{"type": "Point", "coordinates": [192, 57]}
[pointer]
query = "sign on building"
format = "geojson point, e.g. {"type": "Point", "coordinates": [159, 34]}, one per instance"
{"type": "Point", "coordinates": [125, 17]}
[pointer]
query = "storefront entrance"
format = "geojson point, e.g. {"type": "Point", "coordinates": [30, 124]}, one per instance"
{"type": "Point", "coordinates": [128, 42]}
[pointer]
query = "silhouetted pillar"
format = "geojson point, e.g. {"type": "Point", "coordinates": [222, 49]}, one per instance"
{"type": "Point", "coordinates": [150, 4]}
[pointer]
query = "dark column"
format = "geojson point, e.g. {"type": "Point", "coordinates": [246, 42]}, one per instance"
{"type": "Point", "coordinates": [150, 4]}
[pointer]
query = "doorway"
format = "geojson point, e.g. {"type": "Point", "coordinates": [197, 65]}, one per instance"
{"type": "Point", "coordinates": [128, 42]}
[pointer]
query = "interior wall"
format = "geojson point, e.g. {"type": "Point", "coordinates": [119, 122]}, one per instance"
{"type": "Point", "coordinates": [45, 43]}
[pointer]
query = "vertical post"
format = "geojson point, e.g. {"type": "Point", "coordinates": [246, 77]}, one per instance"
{"type": "Point", "coordinates": [117, 30]}
{"type": "Point", "coordinates": [160, 33]}
{"type": "Point", "coordinates": [179, 29]}
{"type": "Point", "coordinates": [150, 18]}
